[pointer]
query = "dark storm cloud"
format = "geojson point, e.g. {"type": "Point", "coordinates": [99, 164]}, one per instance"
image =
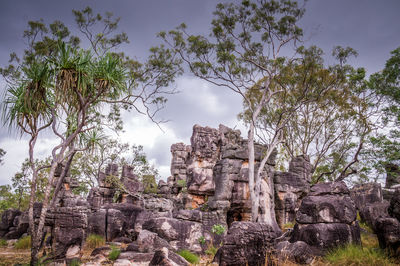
{"type": "Point", "coordinates": [369, 26]}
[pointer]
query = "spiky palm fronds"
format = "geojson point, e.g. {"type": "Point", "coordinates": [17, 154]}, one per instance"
{"type": "Point", "coordinates": [26, 104]}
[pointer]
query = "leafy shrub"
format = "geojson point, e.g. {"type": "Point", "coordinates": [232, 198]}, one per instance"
{"type": "Point", "coordinates": [202, 240]}
{"type": "Point", "coordinates": [211, 250]}
{"type": "Point", "coordinates": [286, 226]}
{"type": "Point", "coordinates": [149, 184]}
{"type": "Point", "coordinates": [356, 255]}
{"type": "Point", "coordinates": [95, 241]}
{"type": "Point", "coordinates": [3, 242]}
{"type": "Point", "coordinates": [23, 243]}
{"type": "Point", "coordinates": [114, 253]}
{"type": "Point", "coordinates": [189, 256]}
{"type": "Point", "coordinates": [218, 229]}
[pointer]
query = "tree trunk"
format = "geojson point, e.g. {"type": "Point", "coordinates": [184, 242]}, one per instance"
{"type": "Point", "coordinates": [253, 197]}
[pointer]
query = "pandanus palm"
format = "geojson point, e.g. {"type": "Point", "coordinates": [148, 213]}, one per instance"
{"type": "Point", "coordinates": [26, 108]}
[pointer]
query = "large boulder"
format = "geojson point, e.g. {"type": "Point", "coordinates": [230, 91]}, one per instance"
{"type": "Point", "coordinates": [364, 194]}
{"type": "Point", "coordinates": [180, 234]}
{"type": "Point", "coordinates": [69, 226]}
{"type": "Point", "coordinates": [299, 252]}
{"type": "Point", "coordinates": [326, 209]}
{"type": "Point", "coordinates": [7, 220]}
{"type": "Point", "coordinates": [394, 207]}
{"type": "Point", "coordinates": [246, 243]}
{"type": "Point", "coordinates": [326, 217]}
{"type": "Point", "coordinates": [388, 231]}
{"type": "Point", "coordinates": [371, 212]}
{"type": "Point", "coordinates": [164, 257]}
{"type": "Point", "coordinates": [148, 242]}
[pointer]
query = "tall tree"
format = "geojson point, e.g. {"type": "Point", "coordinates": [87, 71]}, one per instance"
{"type": "Point", "coordinates": [60, 87]}
{"type": "Point", "coordinates": [383, 152]}
{"type": "Point", "coordinates": [244, 47]}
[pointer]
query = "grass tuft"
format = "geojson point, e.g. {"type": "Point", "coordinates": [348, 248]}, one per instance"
{"type": "Point", "coordinates": [211, 250]}
{"type": "Point", "coordinates": [189, 256]}
{"type": "Point", "coordinates": [114, 253]}
{"type": "Point", "coordinates": [23, 243]}
{"type": "Point", "coordinates": [95, 241]}
{"type": "Point", "coordinates": [3, 243]}
{"type": "Point", "coordinates": [357, 256]}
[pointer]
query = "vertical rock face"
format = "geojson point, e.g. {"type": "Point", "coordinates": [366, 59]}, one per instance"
{"type": "Point", "coordinates": [69, 226]}
{"type": "Point", "coordinates": [215, 168]}
{"type": "Point", "coordinates": [290, 188]}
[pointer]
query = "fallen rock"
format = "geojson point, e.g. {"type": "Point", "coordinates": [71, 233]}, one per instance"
{"type": "Point", "coordinates": [163, 257]}
{"type": "Point", "coordinates": [299, 252]}
{"type": "Point", "coordinates": [394, 207]}
{"type": "Point", "coordinates": [388, 233]}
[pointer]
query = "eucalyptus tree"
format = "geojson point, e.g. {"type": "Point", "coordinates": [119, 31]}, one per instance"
{"type": "Point", "coordinates": [331, 119]}
{"type": "Point", "coordinates": [64, 89]}
{"type": "Point", "coordinates": [384, 148]}
{"type": "Point", "coordinates": [245, 46]}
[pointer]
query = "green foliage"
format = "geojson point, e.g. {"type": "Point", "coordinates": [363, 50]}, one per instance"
{"type": "Point", "coordinates": [218, 229]}
{"type": "Point", "coordinates": [357, 255]}
{"type": "Point", "coordinates": [289, 225]}
{"type": "Point", "coordinates": [95, 241]}
{"type": "Point", "coordinates": [211, 250]}
{"type": "Point", "coordinates": [202, 240]}
{"type": "Point", "coordinates": [23, 243]}
{"type": "Point", "coordinates": [114, 253]}
{"type": "Point", "coordinates": [149, 183]}
{"type": "Point", "coordinates": [75, 262]}
{"type": "Point", "coordinates": [3, 242]}
{"type": "Point", "coordinates": [189, 256]}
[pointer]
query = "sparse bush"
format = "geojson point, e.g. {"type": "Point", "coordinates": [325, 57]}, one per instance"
{"type": "Point", "coordinates": [114, 253]}
{"type": "Point", "coordinates": [95, 241]}
{"type": "Point", "coordinates": [211, 250]}
{"type": "Point", "coordinates": [218, 229]}
{"type": "Point", "coordinates": [3, 243]}
{"type": "Point", "coordinates": [189, 256]}
{"type": "Point", "coordinates": [202, 240]}
{"type": "Point", "coordinates": [23, 243]}
{"type": "Point", "coordinates": [287, 226]}
{"type": "Point", "coordinates": [356, 255]}
{"type": "Point", "coordinates": [149, 184]}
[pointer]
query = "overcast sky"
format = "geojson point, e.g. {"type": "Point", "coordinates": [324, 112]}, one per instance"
{"type": "Point", "coordinates": [369, 26]}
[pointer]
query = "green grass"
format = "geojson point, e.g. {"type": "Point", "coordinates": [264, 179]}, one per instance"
{"type": "Point", "coordinates": [189, 256]}
{"type": "Point", "coordinates": [23, 243]}
{"type": "Point", "coordinates": [95, 241]}
{"type": "Point", "coordinates": [3, 243]}
{"type": "Point", "coordinates": [75, 262]}
{"type": "Point", "coordinates": [114, 253]}
{"type": "Point", "coordinates": [357, 256]}
{"type": "Point", "coordinates": [211, 250]}
{"type": "Point", "coordinates": [287, 226]}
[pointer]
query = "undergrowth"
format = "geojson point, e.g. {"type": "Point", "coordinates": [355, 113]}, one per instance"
{"type": "Point", "coordinates": [95, 241]}
{"type": "Point", "coordinates": [189, 256]}
{"type": "Point", "coordinates": [114, 253]}
{"type": "Point", "coordinates": [358, 256]}
{"type": "Point", "coordinates": [23, 243]}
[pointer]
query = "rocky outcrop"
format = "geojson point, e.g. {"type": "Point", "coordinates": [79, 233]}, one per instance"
{"type": "Point", "coordinates": [326, 217]}
{"type": "Point", "coordinates": [290, 188]}
{"type": "Point", "coordinates": [13, 224]}
{"type": "Point", "coordinates": [246, 243]}
{"type": "Point", "coordinates": [68, 229]}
